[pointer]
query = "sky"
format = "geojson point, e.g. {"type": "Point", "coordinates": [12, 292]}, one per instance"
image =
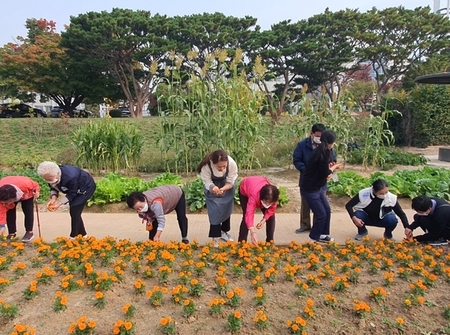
{"type": "Point", "coordinates": [14, 13]}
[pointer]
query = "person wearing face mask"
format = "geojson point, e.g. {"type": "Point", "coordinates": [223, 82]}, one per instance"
{"type": "Point", "coordinates": [219, 172]}
{"type": "Point", "coordinates": [301, 155]}
{"type": "Point", "coordinates": [15, 189]}
{"type": "Point", "coordinates": [77, 185]}
{"type": "Point", "coordinates": [319, 169]}
{"type": "Point", "coordinates": [154, 204]}
{"type": "Point", "coordinates": [257, 192]}
{"type": "Point", "coordinates": [433, 216]}
{"type": "Point", "coordinates": [376, 206]}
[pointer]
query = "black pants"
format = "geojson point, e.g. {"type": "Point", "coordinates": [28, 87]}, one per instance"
{"type": "Point", "coordinates": [76, 222]}
{"type": "Point", "coordinates": [27, 209]}
{"type": "Point", "coordinates": [243, 230]}
{"type": "Point", "coordinates": [180, 209]}
{"type": "Point", "coordinates": [216, 230]}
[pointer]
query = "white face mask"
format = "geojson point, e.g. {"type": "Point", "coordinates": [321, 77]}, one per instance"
{"type": "Point", "coordinates": [381, 196]}
{"type": "Point", "coordinates": [316, 140]}
{"type": "Point", "coordinates": [265, 205]}
{"type": "Point", "coordinates": [145, 208]}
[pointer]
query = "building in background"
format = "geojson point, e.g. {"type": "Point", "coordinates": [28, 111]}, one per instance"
{"type": "Point", "coordinates": [443, 9]}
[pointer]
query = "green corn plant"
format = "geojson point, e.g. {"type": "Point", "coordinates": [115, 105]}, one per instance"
{"type": "Point", "coordinates": [216, 108]}
{"type": "Point", "coordinates": [108, 145]}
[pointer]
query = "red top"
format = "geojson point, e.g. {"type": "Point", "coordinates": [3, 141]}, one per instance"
{"type": "Point", "coordinates": [26, 188]}
{"type": "Point", "coordinates": [250, 187]}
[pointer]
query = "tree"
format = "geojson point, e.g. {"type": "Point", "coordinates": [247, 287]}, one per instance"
{"type": "Point", "coordinates": [394, 39]}
{"type": "Point", "coordinates": [316, 52]}
{"type": "Point", "coordinates": [211, 40]}
{"type": "Point", "coordinates": [359, 85]}
{"type": "Point", "coordinates": [39, 64]}
{"type": "Point", "coordinates": [327, 46]}
{"type": "Point", "coordinates": [278, 51]}
{"type": "Point", "coordinates": [130, 45]}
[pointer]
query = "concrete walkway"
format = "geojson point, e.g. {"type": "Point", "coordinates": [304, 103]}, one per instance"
{"type": "Point", "coordinates": [128, 226]}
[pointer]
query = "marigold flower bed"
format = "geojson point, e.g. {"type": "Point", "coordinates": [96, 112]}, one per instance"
{"type": "Point", "coordinates": [109, 286]}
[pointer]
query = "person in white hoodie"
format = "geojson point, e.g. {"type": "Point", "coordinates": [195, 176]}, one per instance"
{"type": "Point", "coordinates": [376, 206]}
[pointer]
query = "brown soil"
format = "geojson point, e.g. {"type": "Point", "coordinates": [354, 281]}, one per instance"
{"type": "Point", "coordinates": [315, 263]}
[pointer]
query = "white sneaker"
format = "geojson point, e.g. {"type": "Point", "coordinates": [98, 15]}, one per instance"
{"type": "Point", "coordinates": [215, 242]}
{"type": "Point", "coordinates": [226, 237]}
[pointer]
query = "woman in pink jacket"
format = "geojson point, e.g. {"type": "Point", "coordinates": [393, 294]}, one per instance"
{"type": "Point", "coordinates": [257, 192]}
{"type": "Point", "coordinates": [14, 189]}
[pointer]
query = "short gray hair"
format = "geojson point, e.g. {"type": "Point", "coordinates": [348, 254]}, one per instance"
{"type": "Point", "coordinates": [48, 169]}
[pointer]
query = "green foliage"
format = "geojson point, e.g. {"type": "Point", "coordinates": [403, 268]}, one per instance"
{"type": "Point", "coordinates": [195, 196]}
{"type": "Point", "coordinates": [401, 40]}
{"type": "Point", "coordinates": [429, 181]}
{"type": "Point", "coordinates": [108, 145]}
{"type": "Point", "coordinates": [391, 156]}
{"type": "Point", "coordinates": [115, 187]}
{"type": "Point", "coordinates": [377, 136]}
{"type": "Point", "coordinates": [349, 184]}
{"type": "Point", "coordinates": [214, 112]}
{"type": "Point", "coordinates": [9, 310]}
{"type": "Point", "coordinates": [431, 125]}
{"type": "Point", "coordinates": [283, 199]}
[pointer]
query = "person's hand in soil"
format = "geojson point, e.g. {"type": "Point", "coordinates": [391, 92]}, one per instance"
{"type": "Point", "coordinates": [408, 233]}
{"type": "Point", "coordinates": [157, 236]}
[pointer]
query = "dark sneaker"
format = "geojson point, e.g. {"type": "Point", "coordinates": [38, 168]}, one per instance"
{"type": "Point", "coordinates": [359, 237]}
{"type": "Point", "coordinates": [11, 236]}
{"type": "Point", "coordinates": [302, 230]}
{"type": "Point", "coordinates": [185, 240]}
{"type": "Point", "coordinates": [28, 236]}
{"type": "Point", "coordinates": [389, 237]}
{"type": "Point", "coordinates": [326, 239]}
{"type": "Point", "coordinates": [438, 242]}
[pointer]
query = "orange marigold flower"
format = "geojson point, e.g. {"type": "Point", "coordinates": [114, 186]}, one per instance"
{"type": "Point", "coordinates": [128, 325]}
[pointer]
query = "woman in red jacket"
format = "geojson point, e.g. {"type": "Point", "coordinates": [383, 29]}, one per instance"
{"type": "Point", "coordinates": [14, 189]}
{"type": "Point", "coordinates": [257, 192]}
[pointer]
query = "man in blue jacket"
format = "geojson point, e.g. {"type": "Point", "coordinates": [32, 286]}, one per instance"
{"type": "Point", "coordinates": [301, 155]}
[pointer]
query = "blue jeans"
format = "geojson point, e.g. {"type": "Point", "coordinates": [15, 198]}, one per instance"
{"type": "Point", "coordinates": [389, 222]}
{"type": "Point", "coordinates": [319, 205]}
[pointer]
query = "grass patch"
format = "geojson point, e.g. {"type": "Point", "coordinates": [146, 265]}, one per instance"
{"type": "Point", "coordinates": [27, 142]}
